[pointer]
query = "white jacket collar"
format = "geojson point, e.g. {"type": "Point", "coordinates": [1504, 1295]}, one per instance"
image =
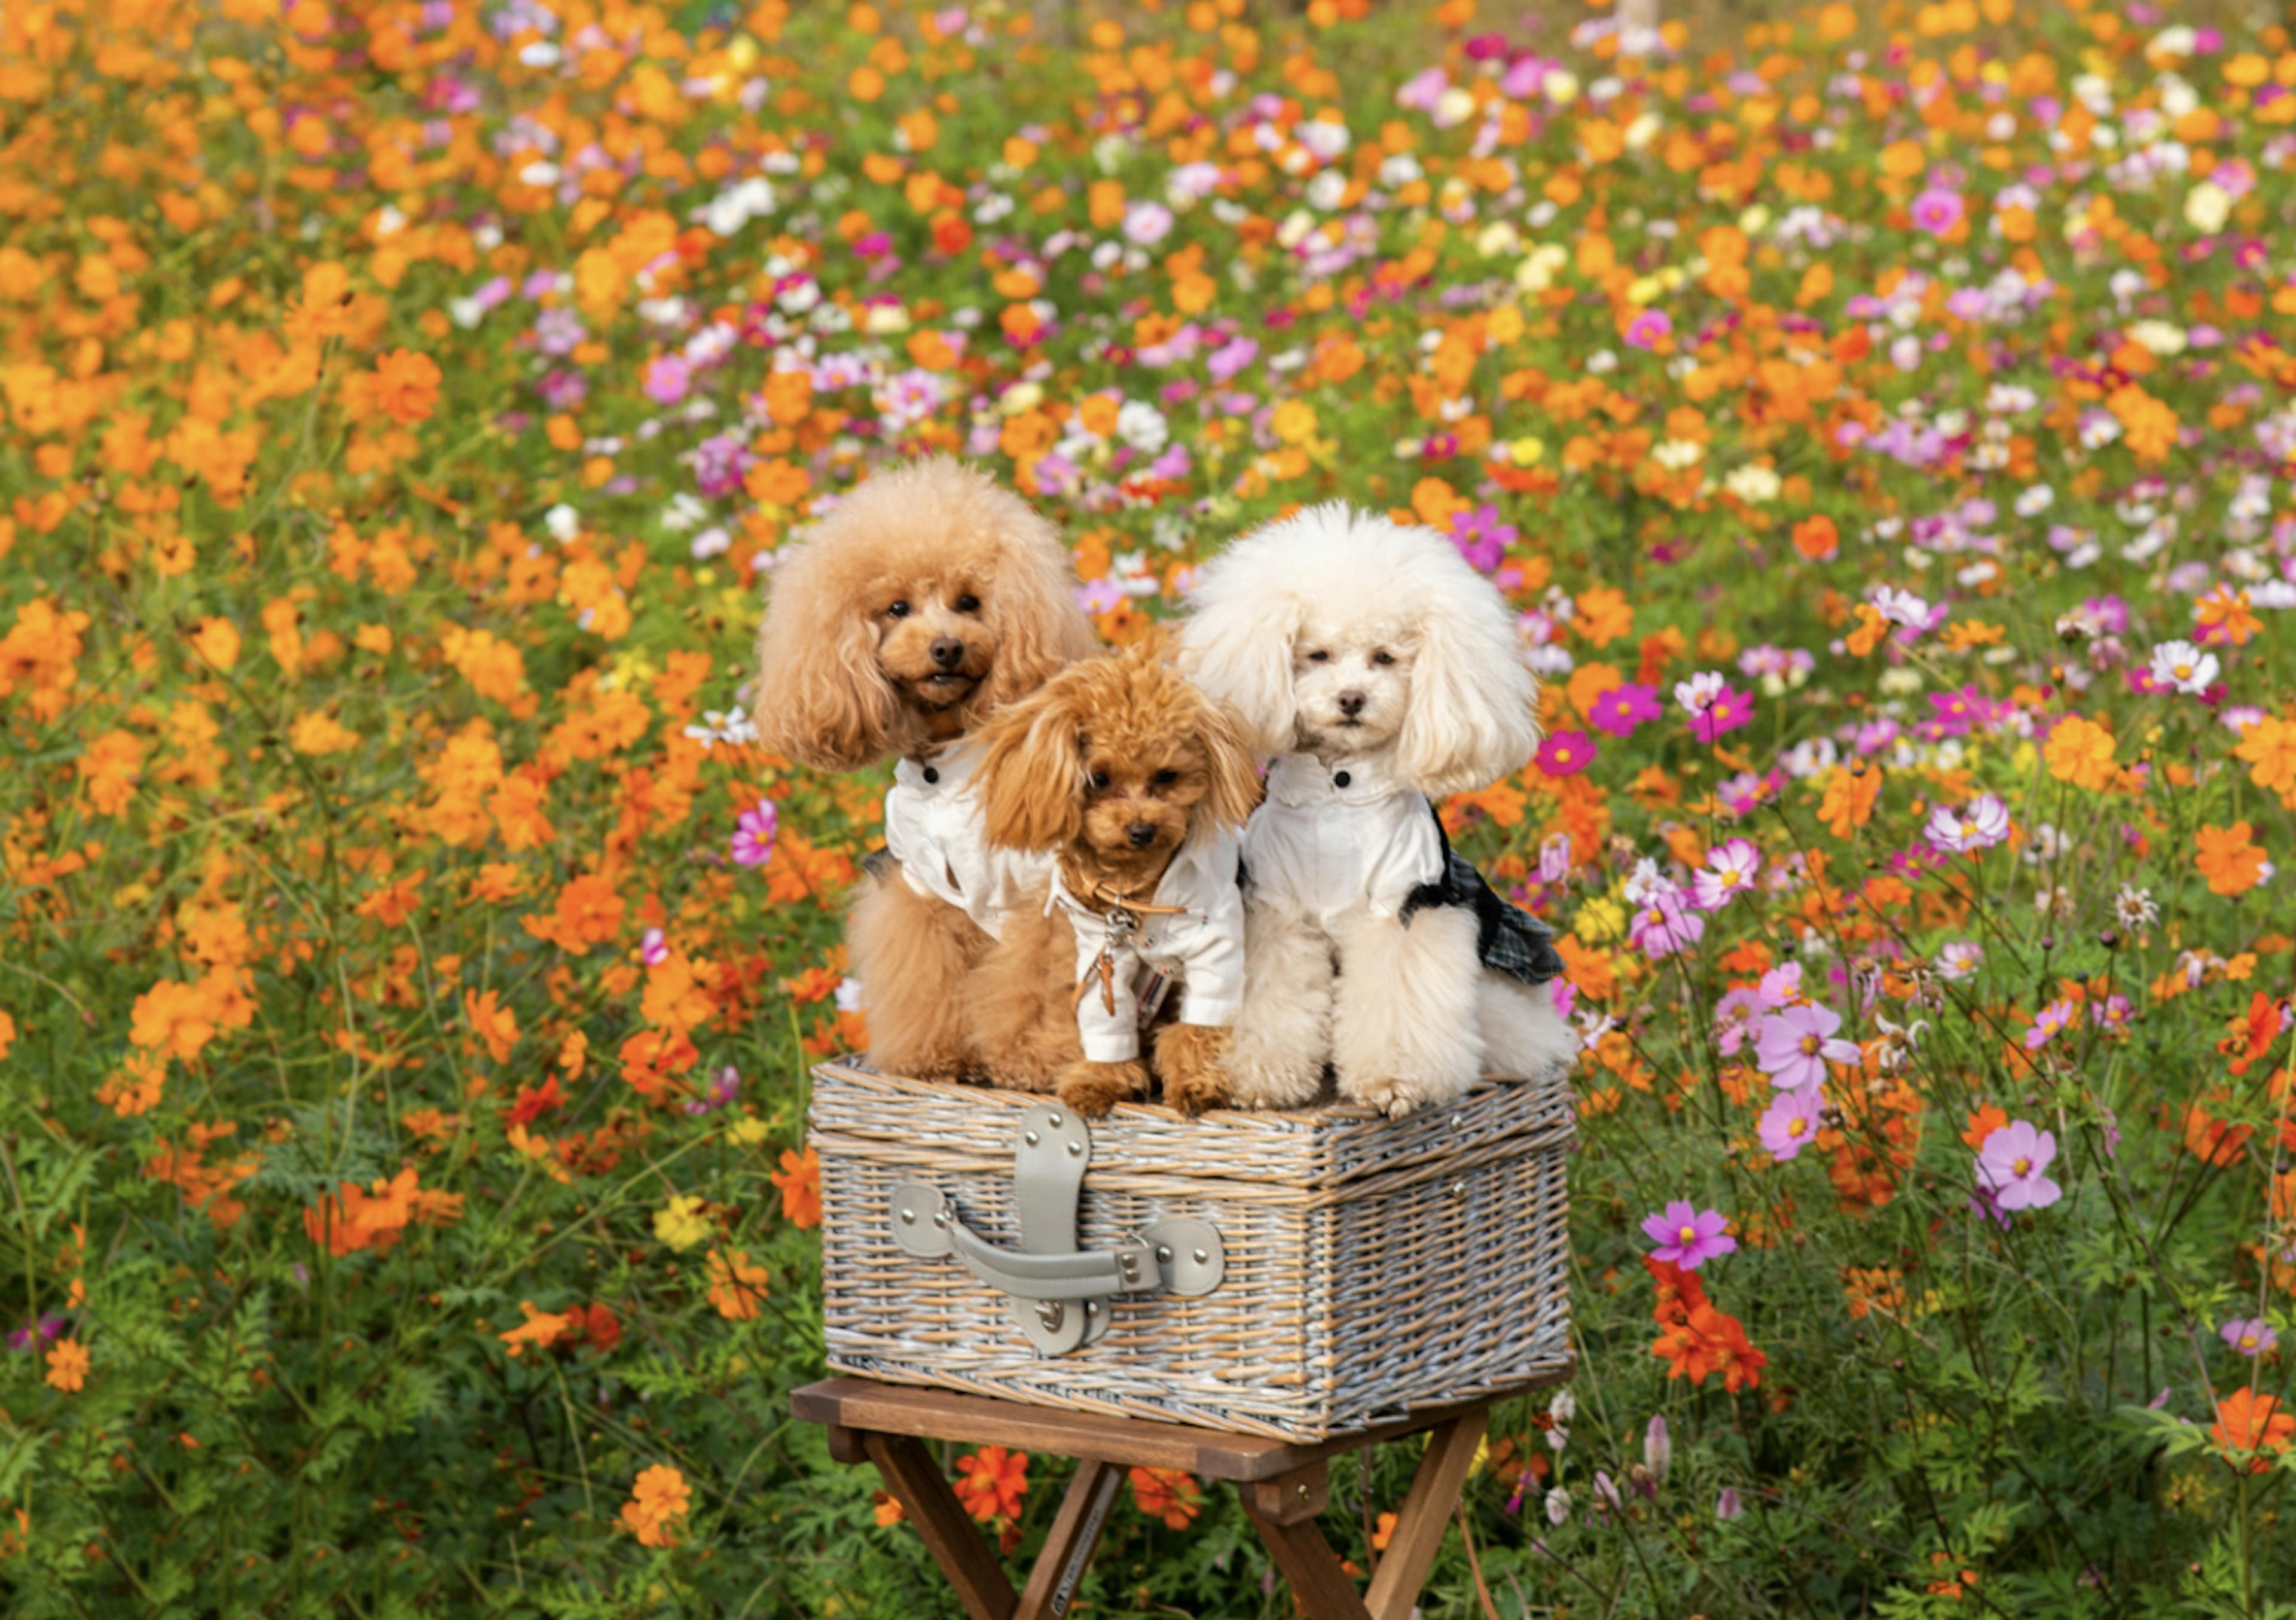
{"type": "Point", "coordinates": [1301, 780]}
{"type": "Point", "coordinates": [946, 771]}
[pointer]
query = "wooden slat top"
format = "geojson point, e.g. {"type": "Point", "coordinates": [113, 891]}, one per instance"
{"type": "Point", "coordinates": [937, 1414]}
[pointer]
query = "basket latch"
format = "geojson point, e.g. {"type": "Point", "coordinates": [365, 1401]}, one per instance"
{"type": "Point", "coordinates": [1060, 1293]}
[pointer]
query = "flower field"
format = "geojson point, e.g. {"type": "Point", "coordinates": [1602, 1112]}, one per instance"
{"type": "Point", "coordinates": [1883, 419]}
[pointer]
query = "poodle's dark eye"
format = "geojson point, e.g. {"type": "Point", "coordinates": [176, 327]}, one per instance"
{"type": "Point", "coordinates": [1166, 777]}
{"type": "Point", "coordinates": [1382, 657]}
{"type": "Point", "coordinates": [1099, 781]}
{"type": "Point", "coordinates": [968, 603]}
{"type": "Point", "coordinates": [1319, 656]}
{"type": "Point", "coordinates": [899, 609]}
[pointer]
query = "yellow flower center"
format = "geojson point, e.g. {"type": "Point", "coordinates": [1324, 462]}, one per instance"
{"type": "Point", "coordinates": [2184, 672]}
{"type": "Point", "coordinates": [1688, 1234]}
{"type": "Point", "coordinates": [2023, 1167]}
{"type": "Point", "coordinates": [2248, 1341]}
{"type": "Point", "coordinates": [1797, 1126]}
{"type": "Point", "coordinates": [1810, 1045]}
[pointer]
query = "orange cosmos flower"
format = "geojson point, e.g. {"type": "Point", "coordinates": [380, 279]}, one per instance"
{"type": "Point", "coordinates": [68, 1365]}
{"type": "Point", "coordinates": [799, 1180]}
{"type": "Point", "coordinates": [992, 1483]}
{"type": "Point", "coordinates": [2248, 1427]}
{"type": "Point", "coordinates": [1166, 1494]}
{"type": "Point", "coordinates": [2232, 864]}
{"type": "Point", "coordinates": [658, 1500]}
{"type": "Point", "coordinates": [736, 1285]}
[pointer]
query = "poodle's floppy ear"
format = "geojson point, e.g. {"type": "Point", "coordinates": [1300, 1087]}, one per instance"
{"type": "Point", "coordinates": [1233, 791]}
{"type": "Point", "coordinates": [1473, 715]}
{"type": "Point", "coordinates": [1236, 644]}
{"type": "Point", "coordinates": [820, 697]}
{"type": "Point", "coordinates": [1041, 629]}
{"type": "Point", "coordinates": [1031, 776]}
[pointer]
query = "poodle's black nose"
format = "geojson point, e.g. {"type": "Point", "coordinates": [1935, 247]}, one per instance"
{"type": "Point", "coordinates": [1140, 833]}
{"type": "Point", "coordinates": [1351, 704]}
{"type": "Point", "coordinates": [948, 651]}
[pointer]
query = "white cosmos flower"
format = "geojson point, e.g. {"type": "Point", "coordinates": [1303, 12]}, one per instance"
{"type": "Point", "coordinates": [2184, 666]}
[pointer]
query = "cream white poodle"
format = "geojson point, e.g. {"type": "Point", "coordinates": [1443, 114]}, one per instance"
{"type": "Point", "coordinates": [1380, 672]}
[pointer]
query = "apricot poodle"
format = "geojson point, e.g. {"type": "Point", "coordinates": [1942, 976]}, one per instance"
{"type": "Point", "coordinates": [924, 599]}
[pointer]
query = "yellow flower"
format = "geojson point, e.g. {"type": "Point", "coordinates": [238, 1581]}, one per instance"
{"type": "Point", "coordinates": [680, 1223]}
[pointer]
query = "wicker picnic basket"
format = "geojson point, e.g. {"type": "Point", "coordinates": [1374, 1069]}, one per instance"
{"type": "Point", "coordinates": [1297, 1275]}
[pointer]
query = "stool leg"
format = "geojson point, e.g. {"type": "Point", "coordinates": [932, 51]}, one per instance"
{"type": "Point", "coordinates": [918, 1485]}
{"type": "Point", "coordinates": [1310, 1566]}
{"type": "Point", "coordinates": [1068, 1550]}
{"type": "Point", "coordinates": [1426, 1515]}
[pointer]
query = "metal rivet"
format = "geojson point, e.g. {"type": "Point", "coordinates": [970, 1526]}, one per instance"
{"type": "Point", "coordinates": [1054, 1119]}
{"type": "Point", "coordinates": [1029, 1137]}
{"type": "Point", "coordinates": [1091, 1307]}
{"type": "Point", "coordinates": [1201, 1257]}
{"type": "Point", "coordinates": [941, 1217]}
{"type": "Point", "coordinates": [1164, 1253]}
{"type": "Point", "coordinates": [1303, 1491]}
{"type": "Point", "coordinates": [1075, 1149]}
{"type": "Point", "coordinates": [908, 1217]}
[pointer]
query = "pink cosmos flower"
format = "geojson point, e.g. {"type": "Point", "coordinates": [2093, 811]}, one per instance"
{"type": "Point", "coordinates": [1665, 924]}
{"type": "Point", "coordinates": [2251, 1337]}
{"type": "Point", "coordinates": [2049, 1022]}
{"type": "Point", "coordinates": [1555, 858]}
{"type": "Point", "coordinates": [1789, 1121]}
{"type": "Point", "coordinates": [1728, 873]}
{"type": "Point", "coordinates": [753, 835]}
{"type": "Point", "coordinates": [1648, 329]}
{"type": "Point", "coordinates": [1981, 824]}
{"type": "Point", "coordinates": [1687, 1236]}
{"type": "Point", "coordinates": [1937, 211]}
{"type": "Point", "coordinates": [2009, 1167]}
{"type": "Point", "coordinates": [653, 947]}
{"type": "Point", "coordinates": [667, 379]}
{"type": "Point", "coordinates": [1796, 1045]}
{"type": "Point", "coordinates": [1713, 704]}
{"type": "Point", "coordinates": [1960, 959]}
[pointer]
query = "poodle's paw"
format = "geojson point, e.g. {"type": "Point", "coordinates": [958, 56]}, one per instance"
{"type": "Point", "coordinates": [1261, 1082]}
{"type": "Point", "coordinates": [1397, 1097]}
{"type": "Point", "coordinates": [952, 1061]}
{"type": "Point", "coordinates": [1093, 1089]}
{"type": "Point", "coordinates": [1187, 1060]}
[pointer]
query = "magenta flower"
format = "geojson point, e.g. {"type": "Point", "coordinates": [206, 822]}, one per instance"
{"type": "Point", "coordinates": [653, 947]}
{"type": "Point", "coordinates": [753, 835]}
{"type": "Point", "coordinates": [1937, 211]}
{"type": "Point", "coordinates": [2009, 1166]}
{"type": "Point", "coordinates": [1980, 825]}
{"type": "Point", "coordinates": [1621, 709]}
{"type": "Point", "coordinates": [1796, 1045]}
{"type": "Point", "coordinates": [1728, 873]}
{"type": "Point", "coordinates": [1566, 753]}
{"type": "Point", "coordinates": [2251, 1337]}
{"type": "Point", "coordinates": [1648, 329]}
{"type": "Point", "coordinates": [1789, 1121]}
{"type": "Point", "coordinates": [2050, 1021]}
{"type": "Point", "coordinates": [1688, 1237]}
{"type": "Point", "coordinates": [1482, 537]}
{"type": "Point", "coordinates": [1665, 924]}
{"type": "Point", "coordinates": [1713, 704]}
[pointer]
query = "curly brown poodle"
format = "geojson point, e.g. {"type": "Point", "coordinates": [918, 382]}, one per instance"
{"type": "Point", "coordinates": [924, 599]}
{"type": "Point", "coordinates": [1138, 782]}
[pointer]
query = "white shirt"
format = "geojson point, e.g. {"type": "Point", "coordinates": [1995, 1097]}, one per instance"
{"type": "Point", "coordinates": [933, 828]}
{"type": "Point", "coordinates": [1202, 948]}
{"type": "Point", "coordinates": [1334, 839]}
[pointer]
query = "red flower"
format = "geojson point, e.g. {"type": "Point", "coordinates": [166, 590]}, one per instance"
{"type": "Point", "coordinates": [992, 1483]}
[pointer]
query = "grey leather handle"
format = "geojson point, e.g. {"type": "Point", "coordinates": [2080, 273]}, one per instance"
{"type": "Point", "coordinates": [1181, 1257]}
{"type": "Point", "coordinates": [1085, 1274]}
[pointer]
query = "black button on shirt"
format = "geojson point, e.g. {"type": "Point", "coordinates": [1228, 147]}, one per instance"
{"type": "Point", "coordinates": [1341, 780]}
{"type": "Point", "coordinates": [931, 774]}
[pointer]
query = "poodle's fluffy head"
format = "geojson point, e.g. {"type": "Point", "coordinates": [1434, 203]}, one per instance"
{"type": "Point", "coordinates": [926, 598]}
{"type": "Point", "coordinates": [1113, 763]}
{"type": "Point", "coordinates": [1344, 634]}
